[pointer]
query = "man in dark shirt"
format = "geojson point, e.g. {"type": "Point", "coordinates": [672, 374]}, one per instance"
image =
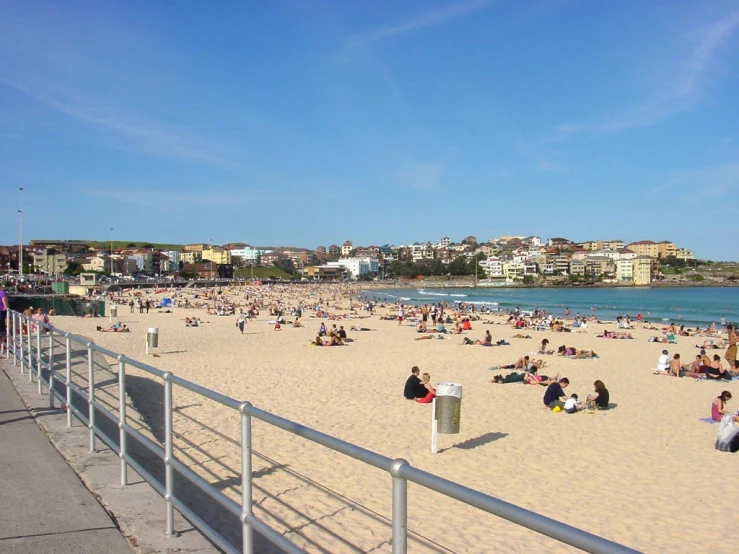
{"type": "Point", "coordinates": [555, 392]}
{"type": "Point", "coordinates": [413, 387]}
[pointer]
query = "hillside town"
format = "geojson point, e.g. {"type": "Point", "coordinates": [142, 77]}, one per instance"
{"type": "Point", "coordinates": [506, 259]}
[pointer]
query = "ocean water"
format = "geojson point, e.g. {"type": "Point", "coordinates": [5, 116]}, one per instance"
{"type": "Point", "coordinates": [685, 305]}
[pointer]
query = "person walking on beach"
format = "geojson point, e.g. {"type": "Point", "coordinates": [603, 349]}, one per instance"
{"type": "Point", "coordinates": [730, 355]}
{"type": "Point", "coordinates": [241, 321]}
{"type": "Point", "coordinates": [400, 314]}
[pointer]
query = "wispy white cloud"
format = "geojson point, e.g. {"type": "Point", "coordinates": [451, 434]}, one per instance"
{"type": "Point", "coordinates": [423, 177]}
{"type": "Point", "coordinates": [681, 95]}
{"type": "Point", "coordinates": [711, 182]}
{"type": "Point", "coordinates": [432, 18]}
{"type": "Point", "coordinates": [166, 197]}
{"type": "Point", "coordinates": [126, 130]}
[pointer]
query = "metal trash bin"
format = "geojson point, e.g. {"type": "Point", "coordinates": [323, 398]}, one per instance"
{"type": "Point", "coordinates": [114, 310]}
{"type": "Point", "coordinates": [448, 407]}
{"type": "Point", "coordinates": [152, 337]}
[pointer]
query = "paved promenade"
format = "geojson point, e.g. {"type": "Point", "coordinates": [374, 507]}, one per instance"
{"type": "Point", "coordinates": [44, 507]}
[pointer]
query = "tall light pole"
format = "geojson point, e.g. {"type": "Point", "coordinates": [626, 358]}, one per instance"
{"type": "Point", "coordinates": [211, 259]}
{"type": "Point", "coordinates": [20, 236]}
{"type": "Point", "coordinates": [111, 251]}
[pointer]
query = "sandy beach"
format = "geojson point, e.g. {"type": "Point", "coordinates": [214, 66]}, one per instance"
{"type": "Point", "coordinates": [643, 473]}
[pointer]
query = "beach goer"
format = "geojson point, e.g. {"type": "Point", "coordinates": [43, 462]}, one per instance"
{"type": "Point", "coordinates": [241, 321]}
{"type": "Point", "coordinates": [4, 307]}
{"type": "Point", "coordinates": [115, 328]}
{"type": "Point", "coordinates": [322, 330]}
{"type": "Point", "coordinates": [675, 365]}
{"type": "Point", "coordinates": [731, 339]}
{"type": "Point", "coordinates": [413, 385]}
{"type": "Point", "coordinates": [487, 341]}
{"type": "Point", "coordinates": [428, 388]}
{"type": "Point", "coordinates": [600, 398]}
{"type": "Point", "coordinates": [716, 370]}
{"type": "Point", "coordinates": [663, 363]}
{"type": "Point", "coordinates": [718, 407]}
{"type": "Point", "coordinates": [555, 392]}
{"type": "Point", "coordinates": [544, 344]}
{"type": "Point", "coordinates": [318, 341]}
{"type": "Point", "coordinates": [571, 406]}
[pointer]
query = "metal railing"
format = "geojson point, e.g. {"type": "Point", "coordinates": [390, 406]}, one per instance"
{"type": "Point", "coordinates": [23, 332]}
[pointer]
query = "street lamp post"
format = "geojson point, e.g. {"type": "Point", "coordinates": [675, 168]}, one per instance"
{"type": "Point", "coordinates": [111, 251]}
{"type": "Point", "coordinates": [211, 259]}
{"type": "Point", "coordinates": [20, 236]}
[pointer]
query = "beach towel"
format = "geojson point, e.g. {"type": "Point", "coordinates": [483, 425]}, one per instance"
{"type": "Point", "coordinates": [728, 435]}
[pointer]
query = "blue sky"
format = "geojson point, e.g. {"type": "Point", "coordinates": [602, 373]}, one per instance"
{"type": "Point", "coordinates": [306, 123]}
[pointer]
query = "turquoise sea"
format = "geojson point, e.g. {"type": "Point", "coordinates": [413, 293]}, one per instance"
{"type": "Point", "coordinates": [686, 305]}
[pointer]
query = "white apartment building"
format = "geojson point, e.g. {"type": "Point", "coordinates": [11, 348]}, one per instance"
{"type": "Point", "coordinates": [493, 267]}
{"type": "Point", "coordinates": [514, 270]}
{"type": "Point", "coordinates": [684, 254]}
{"type": "Point", "coordinates": [249, 254]}
{"type": "Point", "coordinates": [421, 252]}
{"type": "Point", "coordinates": [356, 267]}
{"type": "Point", "coordinates": [624, 270]}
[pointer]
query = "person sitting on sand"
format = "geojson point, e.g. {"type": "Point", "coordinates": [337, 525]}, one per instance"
{"type": "Point", "coordinates": [555, 392]}
{"type": "Point", "coordinates": [487, 341]}
{"type": "Point", "coordinates": [571, 405]}
{"type": "Point", "coordinates": [413, 387]}
{"type": "Point", "coordinates": [718, 407]}
{"type": "Point", "coordinates": [600, 398]}
{"type": "Point", "coordinates": [421, 327]}
{"type": "Point", "coordinates": [440, 327]}
{"type": "Point", "coordinates": [543, 349]}
{"type": "Point", "coordinates": [334, 340]}
{"type": "Point", "coordinates": [716, 370]}
{"type": "Point", "coordinates": [318, 341]}
{"type": "Point", "coordinates": [430, 390]}
{"type": "Point", "coordinates": [675, 365]}
{"type": "Point", "coordinates": [297, 323]}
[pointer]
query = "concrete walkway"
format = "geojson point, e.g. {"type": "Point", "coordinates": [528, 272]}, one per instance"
{"type": "Point", "coordinates": [44, 507]}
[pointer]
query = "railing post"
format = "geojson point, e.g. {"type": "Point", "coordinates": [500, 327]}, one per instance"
{"type": "Point", "coordinates": [400, 507]}
{"type": "Point", "coordinates": [14, 319]}
{"type": "Point", "coordinates": [51, 366]}
{"type": "Point", "coordinates": [8, 327]}
{"type": "Point", "coordinates": [168, 452]}
{"type": "Point", "coordinates": [246, 484]}
{"type": "Point", "coordinates": [68, 356]}
{"type": "Point", "coordinates": [91, 394]}
{"type": "Point", "coordinates": [122, 419]}
{"type": "Point", "coordinates": [38, 355]}
{"type": "Point", "coordinates": [29, 340]}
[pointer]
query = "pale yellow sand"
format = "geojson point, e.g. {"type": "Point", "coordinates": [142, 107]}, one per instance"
{"type": "Point", "coordinates": [644, 474]}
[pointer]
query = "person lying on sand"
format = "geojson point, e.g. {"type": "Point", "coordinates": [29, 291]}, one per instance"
{"type": "Point", "coordinates": [115, 328]}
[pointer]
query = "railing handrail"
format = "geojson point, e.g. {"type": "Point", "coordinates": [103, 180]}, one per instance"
{"type": "Point", "coordinates": [400, 470]}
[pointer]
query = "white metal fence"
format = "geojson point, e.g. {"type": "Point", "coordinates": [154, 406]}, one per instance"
{"type": "Point", "coordinates": [36, 347]}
